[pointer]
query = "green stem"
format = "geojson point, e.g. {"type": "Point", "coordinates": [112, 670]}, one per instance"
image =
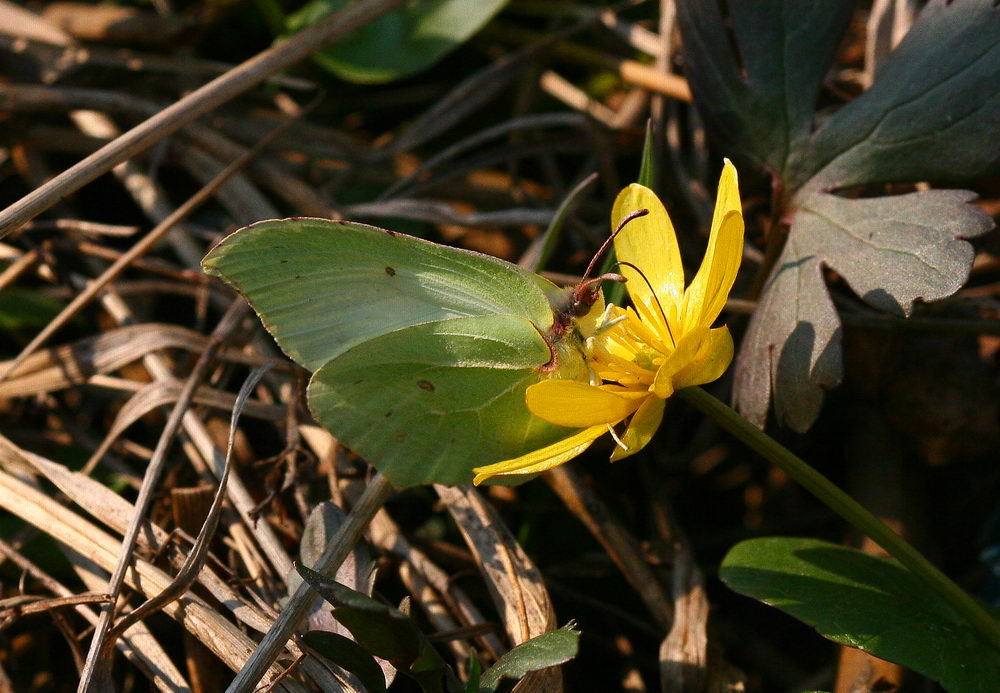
{"type": "Point", "coordinates": [849, 509]}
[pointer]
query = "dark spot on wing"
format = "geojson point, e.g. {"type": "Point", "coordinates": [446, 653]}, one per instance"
{"type": "Point", "coordinates": [426, 385]}
{"type": "Point", "coordinates": [390, 271]}
{"type": "Point", "coordinates": [298, 276]}
{"type": "Point", "coordinates": [388, 414]}
{"type": "Point", "coordinates": [356, 382]}
{"type": "Point", "coordinates": [284, 261]}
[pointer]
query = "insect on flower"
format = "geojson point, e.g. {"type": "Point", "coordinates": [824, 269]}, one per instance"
{"type": "Point", "coordinates": [640, 355]}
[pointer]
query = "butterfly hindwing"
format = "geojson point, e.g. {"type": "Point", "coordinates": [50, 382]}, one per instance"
{"type": "Point", "coordinates": [429, 402]}
{"type": "Point", "coordinates": [321, 287]}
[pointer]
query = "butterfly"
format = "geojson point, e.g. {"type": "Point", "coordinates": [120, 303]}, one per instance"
{"type": "Point", "coordinates": [421, 353]}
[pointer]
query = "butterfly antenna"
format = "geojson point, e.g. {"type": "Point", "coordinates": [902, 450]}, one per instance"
{"type": "Point", "coordinates": [655, 298]}
{"type": "Point", "coordinates": [604, 246]}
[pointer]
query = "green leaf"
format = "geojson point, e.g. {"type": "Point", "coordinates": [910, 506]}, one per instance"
{"type": "Point", "coordinates": [385, 632]}
{"type": "Point", "coordinates": [546, 650]}
{"type": "Point", "coordinates": [930, 115]}
{"type": "Point", "coordinates": [347, 654]}
{"type": "Point", "coordinates": [26, 309]}
{"type": "Point", "coordinates": [932, 112]}
{"type": "Point", "coordinates": [647, 168]}
{"type": "Point", "coordinates": [401, 42]}
{"type": "Point", "coordinates": [430, 402]}
{"type": "Point", "coordinates": [891, 251]}
{"type": "Point", "coordinates": [864, 602]}
{"type": "Point", "coordinates": [766, 105]}
{"type": "Point", "coordinates": [472, 685]}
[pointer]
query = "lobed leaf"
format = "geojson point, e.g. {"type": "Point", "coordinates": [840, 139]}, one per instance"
{"type": "Point", "coordinates": [930, 115]}
{"type": "Point", "coordinates": [892, 251]}
{"type": "Point", "coordinates": [764, 106]}
{"type": "Point", "coordinates": [869, 603]}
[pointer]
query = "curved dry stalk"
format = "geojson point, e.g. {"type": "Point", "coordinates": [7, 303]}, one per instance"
{"type": "Point", "coordinates": [199, 552]}
{"type": "Point", "coordinates": [227, 324]}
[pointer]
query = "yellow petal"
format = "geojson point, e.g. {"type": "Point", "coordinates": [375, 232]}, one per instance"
{"type": "Point", "coordinates": [650, 244]}
{"type": "Point", "coordinates": [641, 428]}
{"type": "Point", "coordinates": [576, 404]}
{"type": "Point", "coordinates": [545, 458]}
{"type": "Point", "coordinates": [687, 352]}
{"type": "Point", "coordinates": [712, 360]}
{"type": "Point", "coordinates": [705, 298]}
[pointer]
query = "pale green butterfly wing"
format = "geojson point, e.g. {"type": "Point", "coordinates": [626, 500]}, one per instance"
{"type": "Point", "coordinates": [427, 403]}
{"type": "Point", "coordinates": [321, 287]}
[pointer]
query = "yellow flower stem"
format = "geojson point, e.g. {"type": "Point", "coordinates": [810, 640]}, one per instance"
{"type": "Point", "coordinates": [961, 601]}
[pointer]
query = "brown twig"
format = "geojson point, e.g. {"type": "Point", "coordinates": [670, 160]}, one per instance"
{"type": "Point", "coordinates": [616, 540]}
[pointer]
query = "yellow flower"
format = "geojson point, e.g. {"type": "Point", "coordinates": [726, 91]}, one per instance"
{"type": "Point", "coordinates": [641, 355]}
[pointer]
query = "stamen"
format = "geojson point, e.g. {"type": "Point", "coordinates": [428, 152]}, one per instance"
{"type": "Point", "coordinates": [653, 293]}
{"type": "Point", "coordinates": [618, 441]}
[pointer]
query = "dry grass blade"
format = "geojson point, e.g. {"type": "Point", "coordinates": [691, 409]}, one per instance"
{"type": "Point", "coordinates": [94, 658]}
{"type": "Point", "coordinates": [443, 213]}
{"type": "Point", "coordinates": [141, 248]}
{"type": "Point", "coordinates": [199, 552]}
{"type": "Point", "coordinates": [218, 91]}
{"type": "Point", "coordinates": [33, 604]}
{"type": "Point", "coordinates": [77, 363]}
{"type": "Point", "coordinates": [684, 652]}
{"type": "Point", "coordinates": [227, 641]}
{"type": "Point", "coordinates": [114, 511]}
{"type": "Point", "coordinates": [513, 580]}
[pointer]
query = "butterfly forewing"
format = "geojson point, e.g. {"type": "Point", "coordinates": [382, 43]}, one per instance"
{"type": "Point", "coordinates": [321, 287]}
{"type": "Point", "coordinates": [427, 403]}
